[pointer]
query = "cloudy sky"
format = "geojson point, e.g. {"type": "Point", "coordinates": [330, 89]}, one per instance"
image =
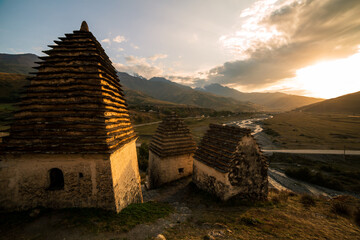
{"type": "Point", "coordinates": [305, 47]}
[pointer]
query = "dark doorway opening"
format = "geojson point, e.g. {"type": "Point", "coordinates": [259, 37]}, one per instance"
{"type": "Point", "coordinates": [181, 170]}
{"type": "Point", "coordinates": [56, 179]}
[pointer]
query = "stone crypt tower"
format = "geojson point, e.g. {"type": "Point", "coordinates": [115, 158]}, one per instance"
{"type": "Point", "coordinates": [71, 143]}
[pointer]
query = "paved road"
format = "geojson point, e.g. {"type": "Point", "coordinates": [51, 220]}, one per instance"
{"type": "Point", "coordinates": [145, 124]}
{"type": "Point", "coordinates": [313, 151]}
{"type": "Point", "coordinates": [152, 123]}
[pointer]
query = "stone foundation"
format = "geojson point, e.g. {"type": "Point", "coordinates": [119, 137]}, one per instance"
{"type": "Point", "coordinates": [89, 180]}
{"type": "Point", "coordinates": [167, 169]}
{"type": "Point", "coordinates": [126, 177]}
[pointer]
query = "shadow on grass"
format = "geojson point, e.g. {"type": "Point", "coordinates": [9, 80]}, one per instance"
{"type": "Point", "coordinates": [93, 219]}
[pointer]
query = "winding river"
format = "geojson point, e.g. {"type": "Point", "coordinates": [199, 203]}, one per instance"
{"type": "Point", "coordinates": [252, 123]}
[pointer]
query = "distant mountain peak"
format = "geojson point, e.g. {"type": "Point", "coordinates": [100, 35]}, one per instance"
{"type": "Point", "coordinates": [17, 63]}
{"type": "Point", "coordinates": [276, 101]}
{"type": "Point", "coordinates": [160, 79]}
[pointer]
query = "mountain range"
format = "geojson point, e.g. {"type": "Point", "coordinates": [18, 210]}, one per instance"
{"type": "Point", "coordinates": [165, 90]}
{"type": "Point", "coordinates": [349, 103]}
{"type": "Point", "coordinates": [17, 63]}
{"type": "Point", "coordinates": [271, 101]}
{"type": "Point", "coordinates": [159, 91]}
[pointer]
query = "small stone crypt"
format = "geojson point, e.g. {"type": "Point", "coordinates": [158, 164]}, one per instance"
{"type": "Point", "coordinates": [228, 163]}
{"type": "Point", "coordinates": [170, 152]}
{"type": "Point", "coordinates": [71, 143]}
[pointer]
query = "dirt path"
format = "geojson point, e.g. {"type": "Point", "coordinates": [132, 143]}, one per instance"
{"type": "Point", "coordinates": [146, 231]}
{"type": "Point", "coordinates": [173, 194]}
{"type": "Point", "coordinates": [146, 124]}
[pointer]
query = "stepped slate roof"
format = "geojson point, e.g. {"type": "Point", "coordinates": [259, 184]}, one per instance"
{"type": "Point", "coordinates": [219, 147]}
{"type": "Point", "coordinates": [74, 104]}
{"type": "Point", "coordinates": [172, 138]}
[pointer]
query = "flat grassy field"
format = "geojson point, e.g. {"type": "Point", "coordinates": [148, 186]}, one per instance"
{"type": "Point", "coordinates": [197, 126]}
{"type": "Point", "coordinates": [300, 130]}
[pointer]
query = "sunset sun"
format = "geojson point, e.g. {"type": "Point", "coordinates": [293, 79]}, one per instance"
{"type": "Point", "coordinates": [322, 79]}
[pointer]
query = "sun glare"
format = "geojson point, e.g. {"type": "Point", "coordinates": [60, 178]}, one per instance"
{"type": "Point", "coordinates": [332, 78]}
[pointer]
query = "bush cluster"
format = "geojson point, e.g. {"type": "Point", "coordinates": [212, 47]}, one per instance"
{"type": "Point", "coordinates": [317, 178]}
{"type": "Point", "coordinates": [143, 157]}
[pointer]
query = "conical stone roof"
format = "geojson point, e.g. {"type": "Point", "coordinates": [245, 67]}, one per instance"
{"type": "Point", "coordinates": [172, 138]}
{"type": "Point", "coordinates": [219, 147]}
{"type": "Point", "coordinates": [74, 104]}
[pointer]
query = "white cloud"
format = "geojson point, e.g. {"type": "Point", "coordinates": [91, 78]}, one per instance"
{"type": "Point", "coordinates": [106, 40]}
{"type": "Point", "coordinates": [253, 33]}
{"type": "Point", "coordinates": [134, 46]}
{"type": "Point", "coordinates": [158, 56]}
{"type": "Point", "coordinates": [135, 60]}
{"type": "Point", "coordinates": [279, 37]}
{"type": "Point", "coordinates": [119, 39]}
{"type": "Point", "coordinates": [139, 66]}
{"type": "Point", "coordinates": [120, 49]}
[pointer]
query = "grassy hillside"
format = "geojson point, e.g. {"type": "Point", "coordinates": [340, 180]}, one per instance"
{"type": "Point", "coordinates": [349, 103]}
{"type": "Point", "coordinates": [302, 130]}
{"type": "Point", "coordinates": [11, 84]}
{"type": "Point", "coordinates": [135, 98]}
{"type": "Point", "coordinates": [271, 101]}
{"type": "Point", "coordinates": [166, 90]}
{"type": "Point", "coordinates": [284, 216]}
{"type": "Point", "coordinates": [17, 63]}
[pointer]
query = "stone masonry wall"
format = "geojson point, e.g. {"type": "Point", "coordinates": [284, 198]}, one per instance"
{"type": "Point", "coordinates": [164, 170]}
{"type": "Point", "coordinates": [249, 171]}
{"type": "Point", "coordinates": [24, 181]}
{"type": "Point", "coordinates": [212, 181]}
{"type": "Point", "coordinates": [247, 178]}
{"type": "Point", "coordinates": [126, 177]}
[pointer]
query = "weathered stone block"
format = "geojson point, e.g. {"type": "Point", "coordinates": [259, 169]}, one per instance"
{"type": "Point", "coordinates": [167, 169]}
{"type": "Point", "coordinates": [229, 164]}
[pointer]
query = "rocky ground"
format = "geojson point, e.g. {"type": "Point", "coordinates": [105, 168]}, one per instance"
{"type": "Point", "coordinates": [190, 207]}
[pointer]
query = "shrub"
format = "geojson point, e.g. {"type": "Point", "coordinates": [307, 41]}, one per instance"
{"type": "Point", "coordinates": [328, 168]}
{"type": "Point", "coordinates": [283, 196]}
{"type": "Point", "coordinates": [143, 156]}
{"type": "Point", "coordinates": [271, 132]}
{"type": "Point", "coordinates": [340, 208]}
{"type": "Point", "coordinates": [357, 216]}
{"type": "Point", "coordinates": [307, 200]}
{"type": "Point", "coordinates": [249, 221]}
{"type": "Point", "coordinates": [301, 173]}
{"type": "Point", "coordinates": [317, 178]}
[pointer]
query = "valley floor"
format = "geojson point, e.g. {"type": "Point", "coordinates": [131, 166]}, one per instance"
{"type": "Point", "coordinates": [301, 130]}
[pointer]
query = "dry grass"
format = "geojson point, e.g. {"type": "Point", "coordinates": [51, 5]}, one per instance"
{"type": "Point", "coordinates": [299, 130]}
{"type": "Point", "coordinates": [87, 221]}
{"type": "Point", "coordinates": [197, 126]}
{"type": "Point", "coordinates": [307, 200]}
{"type": "Point", "coordinates": [283, 218]}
